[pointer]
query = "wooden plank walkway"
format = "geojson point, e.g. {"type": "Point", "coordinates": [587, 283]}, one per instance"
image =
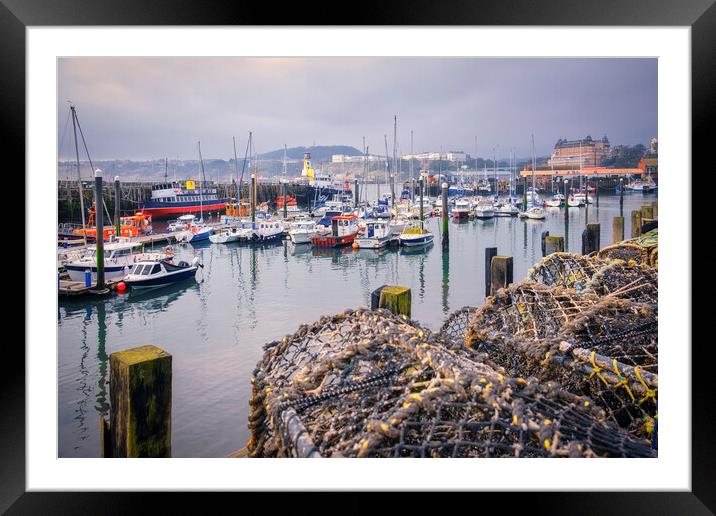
{"type": "Point", "coordinates": [70, 288]}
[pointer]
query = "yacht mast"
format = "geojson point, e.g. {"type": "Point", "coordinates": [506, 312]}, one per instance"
{"type": "Point", "coordinates": [203, 178]}
{"type": "Point", "coordinates": [79, 176]}
{"type": "Point", "coordinates": [534, 166]}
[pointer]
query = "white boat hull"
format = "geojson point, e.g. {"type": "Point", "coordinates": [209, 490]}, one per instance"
{"type": "Point", "coordinates": [301, 237]}
{"type": "Point", "coordinates": [416, 239]}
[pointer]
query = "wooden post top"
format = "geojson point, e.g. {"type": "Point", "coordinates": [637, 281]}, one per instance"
{"type": "Point", "coordinates": [138, 355]}
{"type": "Point", "coordinates": [394, 290]}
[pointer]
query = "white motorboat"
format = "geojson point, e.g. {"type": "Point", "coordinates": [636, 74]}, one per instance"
{"type": "Point", "coordinates": [535, 213]}
{"type": "Point", "coordinates": [484, 209]}
{"type": "Point", "coordinates": [377, 235]}
{"type": "Point", "coordinates": [158, 273]}
{"type": "Point", "coordinates": [461, 211]}
{"type": "Point", "coordinates": [574, 202]}
{"type": "Point", "coordinates": [555, 201]}
{"type": "Point", "coordinates": [641, 185]}
{"type": "Point", "coordinates": [225, 235]}
{"type": "Point", "coordinates": [507, 210]}
{"type": "Point", "coordinates": [302, 231]}
{"type": "Point", "coordinates": [119, 257]}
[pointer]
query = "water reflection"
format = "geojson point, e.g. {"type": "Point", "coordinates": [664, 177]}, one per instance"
{"type": "Point", "coordinates": [446, 281]}
{"type": "Point", "coordinates": [102, 406]}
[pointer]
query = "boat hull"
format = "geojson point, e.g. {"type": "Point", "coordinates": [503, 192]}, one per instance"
{"type": "Point", "coordinates": [416, 240]}
{"type": "Point", "coordinates": [484, 214]}
{"type": "Point", "coordinates": [160, 281]}
{"type": "Point", "coordinates": [333, 241]}
{"type": "Point", "coordinates": [158, 211]}
{"type": "Point", "coordinates": [77, 272]}
{"type": "Point", "coordinates": [372, 243]}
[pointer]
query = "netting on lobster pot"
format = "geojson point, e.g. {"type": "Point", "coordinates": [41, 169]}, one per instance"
{"type": "Point", "coordinates": [456, 326]}
{"type": "Point", "coordinates": [372, 384]}
{"type": "Point", "coordinates": [568, 270]}
{"type": "Point", "coordinates": [619, 279]}
{"type": "Point", "coordinates": [526, 310]}
{"type": "Point", "coordinates": [608, 353]}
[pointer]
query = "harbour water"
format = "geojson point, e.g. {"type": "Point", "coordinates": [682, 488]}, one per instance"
{"type": "Point", "coordinates": [244, 296]}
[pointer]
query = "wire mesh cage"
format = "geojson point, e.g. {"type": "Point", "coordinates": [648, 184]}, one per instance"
{"type": "Point", "coordinates": [616, 277]}
{"type": "Point", "coordinates": [372, 384]}
{"type": "Point", "coordinates": [609, 353]}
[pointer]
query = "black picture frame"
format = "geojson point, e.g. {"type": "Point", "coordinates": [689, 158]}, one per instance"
{"type": "Point", "coordinates": [700, 15]}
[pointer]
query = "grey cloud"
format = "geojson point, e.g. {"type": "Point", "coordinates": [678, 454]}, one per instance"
{"type": "Point", "coordinates": [136, 108]}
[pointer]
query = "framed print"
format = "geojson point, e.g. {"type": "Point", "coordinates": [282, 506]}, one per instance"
{"type": "Point", "coordinates": [428, 238]}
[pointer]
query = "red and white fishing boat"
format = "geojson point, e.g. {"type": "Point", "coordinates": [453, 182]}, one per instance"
{"type": "Point", "coordinates": [344, 229]}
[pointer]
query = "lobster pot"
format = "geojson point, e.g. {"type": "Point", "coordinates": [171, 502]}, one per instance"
{"type": "Point", "coordinates": [373, 384]}
{"type": "Point", "coordinates": [601, 276]}
{"type": "Point", "coordinates": [642, 250]}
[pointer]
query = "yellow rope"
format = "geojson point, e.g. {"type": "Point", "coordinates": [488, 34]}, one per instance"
{"type": "Point", "coordinates": [597, 371]}
{"type": "Point", "coordinates": [622, 380]}
{"type": "Point", "coordinates": [650, 393]}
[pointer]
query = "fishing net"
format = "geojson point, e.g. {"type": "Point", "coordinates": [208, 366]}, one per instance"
{"type": "Point", "coordinates": [372, 384]}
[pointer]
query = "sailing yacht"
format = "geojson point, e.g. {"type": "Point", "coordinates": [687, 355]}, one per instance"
{"type": "Point", "coordinates": [534, 211]}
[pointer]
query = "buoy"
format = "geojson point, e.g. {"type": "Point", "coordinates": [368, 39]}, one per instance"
{"type": "Point", "coordinates": [121, 286]}
{"type": "Point", "coordinates": [355, 245]}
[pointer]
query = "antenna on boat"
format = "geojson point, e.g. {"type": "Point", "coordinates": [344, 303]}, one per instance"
{"type": "Point", "coordinates": [166, 169]}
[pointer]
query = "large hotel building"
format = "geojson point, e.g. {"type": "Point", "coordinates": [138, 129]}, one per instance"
{"type": "Point", "coordinates": [567, 153]}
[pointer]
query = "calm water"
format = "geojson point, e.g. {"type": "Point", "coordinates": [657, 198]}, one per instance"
{"type": "Point", "coordinates": [215, 327]}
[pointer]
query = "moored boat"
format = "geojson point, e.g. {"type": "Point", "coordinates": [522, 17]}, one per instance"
{"type": "Point", "coordinates": [415, 236]}
{"type": "Point", "coordinates": [118, 258]}
{"type": "Point", "coordinates": [159, 273]}
{"type": "Point", "coordinates": [461, 211]}
{"type": "Point", "coordinates": [377, 235]}
{"type": "Point", "coordinates": [225, 236]}
{"type": "Point", "coordinates": [344, 229]}
{"type": "Point", "coordinates": [302, 231]}
{"type": "Point", "coordinates": [484, 209]}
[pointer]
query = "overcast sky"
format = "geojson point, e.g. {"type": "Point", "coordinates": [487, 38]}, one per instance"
{"type": "Point", "coordinates": [140, 108]}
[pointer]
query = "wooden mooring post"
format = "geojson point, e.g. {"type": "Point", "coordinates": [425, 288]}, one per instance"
{"type": "Point", "coordinates": [655, 209]}
{"type": "Point", "coordinates": [140, 381]}
{"type": "Point", "coordinates": [590, 239]}
{"type": "Point", "coordinates": [635, 223]}
{"type": "Point", "coordinates": [501, 273]}
{"type": "Point", "coordinates": [545, 234]}
{"type": "Point", "coordinates": [553, 244]}
{"type": "Point", "coordinates": [395, 298]}
{"type": "Point", "coordinates": [617, 229]}
{"type": "Point", "coordinates": [490, 252]}
{"type": "Point", "coordinates": [647, 212]}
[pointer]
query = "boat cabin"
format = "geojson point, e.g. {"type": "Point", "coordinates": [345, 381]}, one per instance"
{"type": "Point", "coordinates": [376, 228]}
{"type": "Point", "coordinates": [344, 225]}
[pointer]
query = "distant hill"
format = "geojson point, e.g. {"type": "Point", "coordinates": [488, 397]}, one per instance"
{"type": "Point", "coordinates": [318, 153]}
